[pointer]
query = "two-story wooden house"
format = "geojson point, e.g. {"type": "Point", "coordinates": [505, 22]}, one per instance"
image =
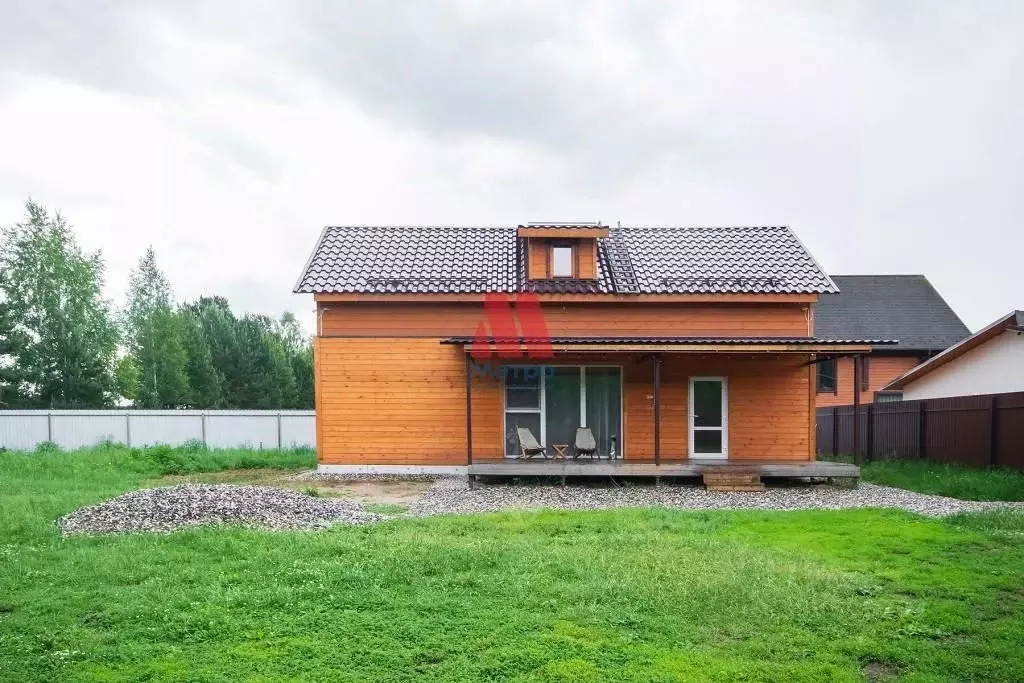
{"type": "Point", "coordinates": [671, 345]}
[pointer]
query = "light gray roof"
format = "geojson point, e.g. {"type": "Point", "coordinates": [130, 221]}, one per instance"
{"type": "Point", "coordinates": [665, 260]}
{"type": "Point", "coordinates": [903, 307]}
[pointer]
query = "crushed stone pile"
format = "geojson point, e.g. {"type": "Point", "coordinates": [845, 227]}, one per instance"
{"type": "Point", "coordinates": [174, 507]}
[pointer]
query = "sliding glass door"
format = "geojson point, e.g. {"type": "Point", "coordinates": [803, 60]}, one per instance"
{"type": "Point", "coordinates": [553, 401]}
{"type": "Point", "coordinates": [603, 412]}
{"type": "Point", "coordinates": [561, 405]}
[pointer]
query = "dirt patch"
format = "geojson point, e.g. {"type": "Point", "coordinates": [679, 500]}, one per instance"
{"type": "Point", "coordinates": [879, 671]}
{"type": "Point", "coordinates": [395, 492]}
{"type": "Point", "coordinates": [386, 492]}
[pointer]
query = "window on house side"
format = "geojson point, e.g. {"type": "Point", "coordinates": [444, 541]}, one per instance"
{"type": "Point", "coordinates": [561, 261]}
{"type": "Point", "coordinates": [827, 376]}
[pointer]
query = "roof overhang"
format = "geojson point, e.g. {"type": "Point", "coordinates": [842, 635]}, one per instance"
{"type": "Point", "coordinates": [562, 231]}
{"type": "Point", "coordinates": [724, 298]}
{"type": "Point", "coordinates": [801, 345]}
{"type": "Point", "coordinates": [1013, 321]}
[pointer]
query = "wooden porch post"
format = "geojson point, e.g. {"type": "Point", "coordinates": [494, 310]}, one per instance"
{"type": "Point", "coordinates": [657, 409]}
{"type": "Point", "coordinates": [469, 413]}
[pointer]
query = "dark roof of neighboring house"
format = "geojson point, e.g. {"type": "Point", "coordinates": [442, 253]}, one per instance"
{"type": "Point", "coordinates": [665, 260]}
{"type": "Point", "coordinates": [1012, 321]}
{"type": "Point", "coordinates": [903, 307]}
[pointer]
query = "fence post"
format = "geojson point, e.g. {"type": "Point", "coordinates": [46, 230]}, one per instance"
{"type": "Point", "coordinates": [857, 459]}
{"type": "Point", "coordinates": [202, 427]}
{"type": "Point", "coordinates": [279, 430]}
{"type": "Point", "coordinates": [128, 428]}
{"type": "Point", "coordinates": [835, 431]}
{"type": "Point", "coordinates": [993, 426]}
{"type": "Point", "coordinates": [870, 446]}
{"type": "Point", "coordinates": [49, 425]}
{"type": "Point", "coordinates": [922, 429]}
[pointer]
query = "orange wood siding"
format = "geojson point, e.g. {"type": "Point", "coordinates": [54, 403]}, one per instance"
{"type": "Point", "coordinates": [582, 319]}
{"type": "Point", "coordinates": [770, 409]}
{"type": "Point", "coordinates": [402, 401]}
{"type": "Point", "coordinates": [882, 369]}
{"type": "Point", "coordinates": [586, 259]}
{"type": "Point", "coordinates": [537, 259]}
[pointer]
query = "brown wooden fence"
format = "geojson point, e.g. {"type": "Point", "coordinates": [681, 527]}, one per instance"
{"type": "Point", "coordinates": [980, 431]}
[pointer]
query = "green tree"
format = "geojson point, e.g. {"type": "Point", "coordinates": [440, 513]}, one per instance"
{"type": "Point", "coordinates": [149, 291]}
{"type": "Point", "coordinates": [267, 378]}
{"type": "Point", "coordinates": [220, 329]}
{"type": "Point", "coordinates": [127, 378]}
{"type": "Point", "coordinates": [162, 362]}
{"type": "Point", "coordinates": [12, 341]}
{"type": "Point", "coordinates": [300, 350]}
{"type": "Point", "coordinates": [204, 380]}
{"type": "Point", "coordinates": [302, 368]}
{"type": "Point", "coordinates": [54, 292]}
{"type": "Point", "coordinates": [155, 335]}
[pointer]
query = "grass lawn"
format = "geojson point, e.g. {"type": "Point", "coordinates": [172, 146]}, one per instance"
{"type": "Point", "coordinates": [956, 481]}
{"type": "Point", "coordinates": [631, 595]}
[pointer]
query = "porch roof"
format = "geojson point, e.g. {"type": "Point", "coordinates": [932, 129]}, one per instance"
{"type": "Point", "coordinates": [674, 344]}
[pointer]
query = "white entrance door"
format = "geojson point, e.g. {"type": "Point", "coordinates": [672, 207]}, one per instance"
{"type": "Point", "coordinates": [709, 418]}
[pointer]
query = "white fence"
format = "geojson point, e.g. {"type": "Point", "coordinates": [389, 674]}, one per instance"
{"type": "Point", "coordinates": [70, 429]}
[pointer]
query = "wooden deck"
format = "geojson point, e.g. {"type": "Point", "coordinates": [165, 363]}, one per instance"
{"type": "Point", "coordinates": [683, 468]}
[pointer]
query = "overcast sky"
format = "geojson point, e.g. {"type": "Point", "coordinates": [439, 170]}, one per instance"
{"type": "Point", "coordinates": [889, 134]}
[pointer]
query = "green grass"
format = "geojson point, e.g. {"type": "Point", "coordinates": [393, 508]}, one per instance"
{"type": "Point", "coordinates": [942, 479]}
{"type": "Point", "coordinates": [629, 595]}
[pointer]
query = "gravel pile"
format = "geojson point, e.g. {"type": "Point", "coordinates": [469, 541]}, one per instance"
{"type": "Point", "coordinates": [453, 496]}
{"type": "Point", "coordinates": [169, 508]}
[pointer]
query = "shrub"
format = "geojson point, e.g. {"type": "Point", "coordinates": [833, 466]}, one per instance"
{"type": "Point", "coordinates": [171, 460]}
{"type": "Point", "coordinates": [47, 447]}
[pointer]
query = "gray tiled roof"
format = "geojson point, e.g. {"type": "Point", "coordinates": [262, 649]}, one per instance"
{"type": "Point", "coordinates": [669, 260]}
{"type": "Point", "coordinates": [903, 307]}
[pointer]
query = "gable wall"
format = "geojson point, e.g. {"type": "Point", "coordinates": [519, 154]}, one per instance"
{"type": "Point", "coordinates": [995, 367]}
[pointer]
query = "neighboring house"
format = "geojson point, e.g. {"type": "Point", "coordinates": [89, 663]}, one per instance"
{"type": "Point", "coordinates": [905, 308]}
{"type": "Point", "coordinates": [988, 362]}
{"type": "Point", "coordinates": [433, 344]}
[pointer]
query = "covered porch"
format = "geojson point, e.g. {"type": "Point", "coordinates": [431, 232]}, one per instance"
{"type": "Point", "coordinates": [655, 407]}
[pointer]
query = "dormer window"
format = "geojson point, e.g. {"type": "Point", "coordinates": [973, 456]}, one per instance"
{"type": "Point", "coordinates": [561, 251]}
{"type": "Point", "coordinates": [562, 260]}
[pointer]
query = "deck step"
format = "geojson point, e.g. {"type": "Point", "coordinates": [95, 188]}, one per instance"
{"type": "Point", "coordinates": [738, 486]}
{"type": "Point", "coordinates": [732, 479]}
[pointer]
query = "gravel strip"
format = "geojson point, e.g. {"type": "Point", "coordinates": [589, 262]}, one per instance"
{"type": "Point", "coordinates": [266, 507]}
{"type": "Point", "coordinates": [174, 507]}
{"type": "Point", "coordinates": [453, 496]}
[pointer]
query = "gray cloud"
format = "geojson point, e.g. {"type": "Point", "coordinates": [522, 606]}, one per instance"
{"type": "Point", "coordinates": [884, 132]}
